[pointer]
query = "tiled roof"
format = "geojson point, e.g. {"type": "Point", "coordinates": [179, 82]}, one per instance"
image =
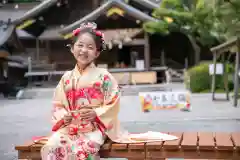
{"type": "Point", "coordinates": [36, 10]}
{"type": "Point", "coordinates": [155, 1]}
{"type": "Point", "coordinates": [5, 32]}
{"type": "Point", "coordinates": [50, 33]}
{"type": "Point", "coordinates": [150, 4]}
{"type": "Point", "coordinates": [24, 10]}
{"type": "Point", "coordinates": [8, 11]}
{"type": "Point", "coordinates": [97, 12]}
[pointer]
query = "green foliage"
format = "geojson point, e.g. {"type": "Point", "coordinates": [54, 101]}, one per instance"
{"type": "Point", "coordinates": [207, 21]}
{"type": "Point", "coordinates": [200, 80]}
{"type": "Point", "coordinates": [227, 15]}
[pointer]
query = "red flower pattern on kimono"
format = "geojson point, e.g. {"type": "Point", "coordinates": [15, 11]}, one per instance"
{"type": "Point", "coordinates": [81, 155]}
{"type": "Point", "coordinates": [67, 82]}
{"type": "Point", "coordinates": [59, 153]}
{"type": "Point", "coordinates": [85, 147]}
{"type": "Point", "coordinates": [73, 130]}
{"type": "Point", "coordinates": [94, 93]}
{"type": "Point", "coordinates": [97, 84]}
{"type": "Point", "coordinates": [106, 78]}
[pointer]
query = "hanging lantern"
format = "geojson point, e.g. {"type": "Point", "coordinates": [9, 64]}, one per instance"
{"type": "Point", "coordinates": [110, 45]}
{"type": "Point", "coordinates": [120, 45]}
{"type": "Point", "coordinates": [58, 4]}
{"type": "Point", "coordinates": [16, 6]}
{"type": "Point", "coordinates": [138, 21]}
{"type": "Point", "coordinates": [115, 41]}
{"type": "Point", "coordinates": [40, 18]}
{"type": "Point", "coordinates": [127, 39]}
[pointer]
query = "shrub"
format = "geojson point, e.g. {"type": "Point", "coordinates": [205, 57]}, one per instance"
{"type": "Point", "coordinates": [200, 80]}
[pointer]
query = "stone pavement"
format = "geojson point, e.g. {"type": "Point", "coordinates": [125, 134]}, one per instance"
{"type": "Point", "coordinates": [23, 119]}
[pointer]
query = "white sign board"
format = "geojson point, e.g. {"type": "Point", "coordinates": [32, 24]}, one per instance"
{"type": "Point", "coordinates": [140, 64]}
{"type": "Point", "coordinates": [102, 66]}
{"type": "Point", "coordinates": [219, 69]}
{"type": "Point", "coordinates": [164, 100]}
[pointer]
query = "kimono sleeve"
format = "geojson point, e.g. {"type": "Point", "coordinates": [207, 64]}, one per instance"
{"type": "Point", "coordinates": [108, 112]}
{"type": "Point", "coordinates": [60, 102]}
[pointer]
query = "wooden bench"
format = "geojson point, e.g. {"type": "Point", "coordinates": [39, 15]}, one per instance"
{"type": "Point", "coordinates": [195, 145]}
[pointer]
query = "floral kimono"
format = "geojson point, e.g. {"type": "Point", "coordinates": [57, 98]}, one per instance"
{"type": "Point", "coordinates": [93, 87]}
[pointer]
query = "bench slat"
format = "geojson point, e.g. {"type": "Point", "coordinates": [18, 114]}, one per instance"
{"type": "Point", "coordinates": [236, 140]}
{"type": "Point", "coordinates": [174, 145]}
{"type": "Point", "coordinates": [155, 145]}
{"type": "Point", "coordinates": [119, 146]}
{"type": "Point", "coordinates": [25, 147]}
{"type": "Point", "coordinates": [206, 141]}
{"type": "Point", "coordinates": [189, 141]}
{"type": "Point", "coordinates": [136, 146]}
{"type": "Point", "coordinates": [36, 147]}
{"type": "Point", "coordinates": [223, 141]}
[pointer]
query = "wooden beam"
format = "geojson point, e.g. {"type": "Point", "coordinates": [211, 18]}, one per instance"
{"type": "Point", "coordinates": [162, 58]}
{"type": "Point", "coordinates": [37, 50]}
{"type": "Point", "coordinates": [135, 42]}
{"type": "Point", "coordinates": [147, 51]}
{"type": "Point", "coordinates": [225, 76]}
{"type": "Point", "coordinates": [214, 75]}
{"type": "Point", "coordinates": [236, 75]}
{"type": "Point", "coordinates": [224, 46]}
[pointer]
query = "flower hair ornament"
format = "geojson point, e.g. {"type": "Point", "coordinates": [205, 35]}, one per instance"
{"type": "Point", "coordinates": [89, 25]}
{"type": "Point", "coordinates": [93, 27]}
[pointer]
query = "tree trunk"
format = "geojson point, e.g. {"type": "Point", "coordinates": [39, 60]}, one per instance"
{"type": "Point", "coordinates": [196, 49]}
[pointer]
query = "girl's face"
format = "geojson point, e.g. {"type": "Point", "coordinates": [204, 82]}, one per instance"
{"type": "Point", "coordinates": [85, 49]}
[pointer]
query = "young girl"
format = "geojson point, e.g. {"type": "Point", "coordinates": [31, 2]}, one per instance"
{"type": "Point", "coordinates": [86, 105]}
{"type": "Point", "coordinates": [86, 102]}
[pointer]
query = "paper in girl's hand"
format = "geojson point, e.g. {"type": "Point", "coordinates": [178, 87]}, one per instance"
{"type": "Point", "coordinates": [40, 139]}
{"type": "Point", "coordinates": [152, 136]}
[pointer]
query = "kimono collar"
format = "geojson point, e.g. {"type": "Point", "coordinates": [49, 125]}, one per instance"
{"type": "Point", "coordinates": [79, 72]}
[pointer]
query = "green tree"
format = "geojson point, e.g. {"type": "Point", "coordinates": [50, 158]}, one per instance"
{"type": "Point", "coordinates": [227, 18]}
{"type": "Point", "coordinates": [207, 21]}
{"type": "Point", "coordinates": [194, 18]}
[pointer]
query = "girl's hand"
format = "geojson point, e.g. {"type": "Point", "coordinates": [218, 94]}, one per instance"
{"type": "Point", "coordinates": [88, 114]}
{"type": "Point", "coordinates": [67, 119]}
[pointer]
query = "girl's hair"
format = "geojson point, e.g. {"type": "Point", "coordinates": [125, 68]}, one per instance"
{"type": "Point", "coordinates": [91, 29]}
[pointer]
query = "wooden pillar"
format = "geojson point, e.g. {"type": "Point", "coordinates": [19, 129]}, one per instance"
{"type": "Point", "coordinates": [146, 51]}
{"type": "Point", "coordinates": [163, 58]}
{"type": "Point", "coordinates": [214, 75]}
{"type": "Point", "coordinates": [48, 48]}
{"type": "Point", "coordinates": [225, 76]}
{"type": "Point", "coordinates": [37, 49]}
{"type": "Point", "coordinates": [236, 76]}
